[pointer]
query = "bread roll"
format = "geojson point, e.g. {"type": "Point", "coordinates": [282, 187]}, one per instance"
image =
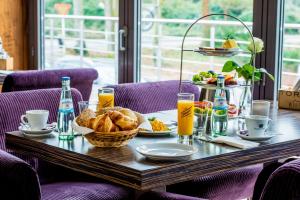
{"type": "Point", "coordinates": [84, 117]}
{"type": "Point", "coordinates": [123, 121]}
{"type": "Point", "coordinates": [129, 113]}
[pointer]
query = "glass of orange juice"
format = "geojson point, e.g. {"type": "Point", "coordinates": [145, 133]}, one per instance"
{"type": "Point", "coordinates": [106, 98]}
{"type": "Point", "coordinates": [185, 114]}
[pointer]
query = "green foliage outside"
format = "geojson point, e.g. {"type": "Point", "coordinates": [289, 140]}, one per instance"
{"type": "Point", "coordinates": [190, 9]}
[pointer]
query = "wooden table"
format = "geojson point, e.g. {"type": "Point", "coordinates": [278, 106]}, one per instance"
{"type": "Point", "coordinates": [126, 167]}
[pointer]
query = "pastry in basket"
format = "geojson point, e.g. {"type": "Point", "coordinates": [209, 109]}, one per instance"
{"type": "Point", "coordinates": [123, 121]}
{"type": "Point", "coordinates": [129, 113]}
{"type": "Point", "coordinates": [103, 123]}
{"type": "Point", "coordinates": [84, 117]}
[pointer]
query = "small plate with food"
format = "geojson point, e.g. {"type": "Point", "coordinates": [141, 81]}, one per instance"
{"type": "Point", "coordinates": [159, 128]}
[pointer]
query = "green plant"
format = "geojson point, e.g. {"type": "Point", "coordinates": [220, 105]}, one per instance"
{"type": "Point", "coordinates": [247, 71]}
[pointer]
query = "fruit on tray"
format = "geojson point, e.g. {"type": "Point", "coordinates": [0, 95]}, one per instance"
{"type": "Point", "coordinates": [232, 110]}
{"type": "Point", "coordinates": [230, 80]}
{"type": "Point", "coordinates": [230, 42]}
{"type": "Point", "coordinates": [202, 76]}
{"type": "Point", "coordinates": [202, 107]}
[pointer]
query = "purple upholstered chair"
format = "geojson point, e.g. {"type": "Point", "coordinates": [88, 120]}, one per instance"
{"type": "Point", "coordinates": [81, 79]}
{"type": "Point", "coordinates": [284, 183]}
{"type": "Point", "coordinates": [157, 96]}
{"type": "Point", "coordinates": [152, 96]}
{"type": "Point", "coordinates": [165, 196]}
{"type": "Point", "coordinates": [19, 179]}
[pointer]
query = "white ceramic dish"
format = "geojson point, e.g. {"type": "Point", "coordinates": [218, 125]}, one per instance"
{"type": "Point", "coordinates": [28, 131]}
{"type": "Point", "coordinates": [166, 151]}
{"type": "Point", "coordinates": [154, 133]}
{"type": "Point", "coordinates": [245, 136]}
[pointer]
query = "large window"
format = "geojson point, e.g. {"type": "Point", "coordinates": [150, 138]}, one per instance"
{"type": "Point", "coordinates": [164, 23]}
{"type": "Point", "coordinates": [291, 45]}
{"type": "Point", "coordinates": [82, 33]}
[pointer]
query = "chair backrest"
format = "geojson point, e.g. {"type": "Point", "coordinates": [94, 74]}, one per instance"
{"type": "Point", "coordinates": [14, 104]}
{"type": "Point", "coordinates": [152, 96]}
{"type": "Point", "coordinates": [81, 79]}
{"type": "Point", "coordinates": [284, 183]}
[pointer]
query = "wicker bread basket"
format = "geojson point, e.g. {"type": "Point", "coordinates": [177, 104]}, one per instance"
{"type": "Point", "coordinates": [113, 139]}
{"type": "Point", "coordinates": [109, 139]}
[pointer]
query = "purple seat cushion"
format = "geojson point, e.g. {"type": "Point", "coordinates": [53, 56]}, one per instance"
{"type": "Point", "coordinates": [152, 96]}
{"type": "Point", "coordinates": [14, 104]}
{"type": "Point", "coordinates": [229, 185]}
{"type": "Point", "coordinates": [18, 180]}
{"type": "Point", "coordinates": [84, 191]}
{"type": "Point", "coordinates": [165, 196]}
{"type": "Point", "coordinates": [284, 183]}
{"type": "Point", "coordinates": [81, 79]}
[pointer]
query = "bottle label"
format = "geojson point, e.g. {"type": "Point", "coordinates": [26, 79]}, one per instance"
{"type": "Point", "coordinates": [220, 104]}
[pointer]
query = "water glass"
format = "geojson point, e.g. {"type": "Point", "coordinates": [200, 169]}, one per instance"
{"type": "Point", "coordinates": [185, 114]}
{"type": "Point", "coordinates": [202, 113]}
{"type": "Point", "coordinates": [261, 107]}
{"type": "Point", "coordinates": [82, 105]}
{"type": "Point", "coordinates": [106, 98]}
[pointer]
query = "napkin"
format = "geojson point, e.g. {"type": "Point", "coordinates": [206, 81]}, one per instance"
{"type": "Point", "coordinates": [235, 142]}
{"type": "Point", "coordinates": [232, 141]}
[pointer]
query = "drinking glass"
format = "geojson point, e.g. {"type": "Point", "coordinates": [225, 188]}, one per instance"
{"type": "Point", "coordinates": [106, 98]}
{"type": "Point", "coordinates": [185, 114]}
{"type": "Point", "coordinates": [82, 105]}
{"type": "Point", "coordinates": [261, 107]}
{"type": "Point", "coordinates": [202, 112]}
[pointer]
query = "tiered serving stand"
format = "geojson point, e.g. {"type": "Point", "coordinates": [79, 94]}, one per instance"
{"type": "Point", "coordinates": [218, 52]}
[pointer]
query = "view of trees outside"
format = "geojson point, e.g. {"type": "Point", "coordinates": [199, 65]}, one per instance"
{"type": "Point", "coordinates": [291, 46]}
{"type": "Point", "coordinates": [83, 33]}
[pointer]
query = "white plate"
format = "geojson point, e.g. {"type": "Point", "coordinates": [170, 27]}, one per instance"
{"type": "Point", "coordinates": [154, 133]}
{"type": "Point", "coordinates": [252, 138]}
{"type": "Point", "coordinates": [166, 151]}
{"type": "Point", "coordinates": [28, 131]}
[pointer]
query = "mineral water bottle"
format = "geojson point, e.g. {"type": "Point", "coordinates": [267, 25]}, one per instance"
{"type": "Point", "coordinates": [220, 109]}
{"type": "Point", "coordinates": [65, 111]}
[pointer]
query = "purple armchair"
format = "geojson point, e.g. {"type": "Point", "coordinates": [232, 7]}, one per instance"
{"type": "Point", "coordinates": [151, 97]}
{"type": "Point", "coordinates": [284, 183]}
{"type": "Point", "coordinates": [81, 79]}
{"type": "Point", "coordinates": [19, 180]}
{"type": "Point", "coordinates": [157, 96]}
{"type": "Point", "coordinates": [165, 196]}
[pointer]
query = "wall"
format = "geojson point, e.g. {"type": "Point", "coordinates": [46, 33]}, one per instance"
{"type": "Point", "coordinates": [13, 30]}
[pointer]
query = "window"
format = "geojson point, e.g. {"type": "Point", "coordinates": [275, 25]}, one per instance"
{"type": "Point", "coordinates": [291, 44]}
{"type": "Point", "coordinates": [80, 33]}
{"type": "Point", "coordinates": [164, 23]}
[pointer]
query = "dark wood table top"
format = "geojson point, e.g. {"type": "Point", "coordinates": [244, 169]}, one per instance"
{"type": "Point", "coordinates": [127, 167]}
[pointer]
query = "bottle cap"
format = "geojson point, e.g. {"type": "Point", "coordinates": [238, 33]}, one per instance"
{"type": "Point", "coordinates": [220, 76]}
{"type": "Point", "coordinates": [65, 78]}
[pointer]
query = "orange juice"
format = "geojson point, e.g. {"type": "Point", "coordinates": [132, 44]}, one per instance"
{"type": "Point", "coordinates": [106, 100]}
{"type": "Point", "coordinates": [185, 109]}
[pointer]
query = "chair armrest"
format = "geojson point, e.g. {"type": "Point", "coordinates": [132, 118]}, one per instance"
{"type": "Point", "coordinates": [18, 180]}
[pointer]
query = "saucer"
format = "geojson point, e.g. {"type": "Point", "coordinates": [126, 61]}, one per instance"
{"type": "Point", "coordinates": [244, 135]}
{"type": "Point", "coordinates": [27, 130]}
{"type": "Point", "coordinates": [36, 135]}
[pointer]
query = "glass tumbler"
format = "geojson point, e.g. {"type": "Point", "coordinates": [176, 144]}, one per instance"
{"type": "Point", "coordinates": [185, 115]}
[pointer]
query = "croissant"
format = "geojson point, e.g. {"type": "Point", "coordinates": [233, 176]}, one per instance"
{"type": "Point", "coordinates": [129, 113]}
{"type": "Point", "coordinates": [103, 123]}
{"type": "Point", "coordinates": [123, 121]}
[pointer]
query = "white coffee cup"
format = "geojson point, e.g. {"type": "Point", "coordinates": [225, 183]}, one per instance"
{"type": "Point", "coordinates": [261, 107]}
{"type": "Point", "coordinates": [257, 125]}
{"type": "Point", "coordinates": [35, 119]}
